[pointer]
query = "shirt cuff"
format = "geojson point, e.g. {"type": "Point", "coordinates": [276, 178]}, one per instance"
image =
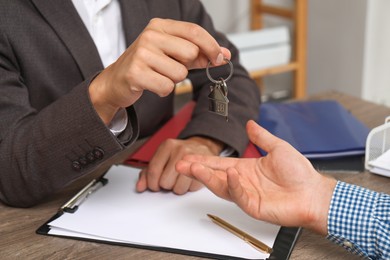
{"type": "Point", "coordinates": [227, 151]}
{"type": "Point", "coordinates": [119, 123]}
{"type": "Point", "coordinates": [350, 218]}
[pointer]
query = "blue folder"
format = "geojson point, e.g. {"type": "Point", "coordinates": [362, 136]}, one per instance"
{"type": "Point", "coordinates": [317, 129]}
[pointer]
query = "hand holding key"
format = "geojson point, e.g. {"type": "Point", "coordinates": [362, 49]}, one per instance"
{"type": "Point", "coordinates": [160, 57]}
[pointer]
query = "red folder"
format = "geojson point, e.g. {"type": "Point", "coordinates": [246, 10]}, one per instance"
{"type": "Point", "coordinates": [142, 156]}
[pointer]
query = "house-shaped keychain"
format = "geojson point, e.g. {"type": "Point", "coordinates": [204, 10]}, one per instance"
{"type": "Point", "coordinates": [218, 101]}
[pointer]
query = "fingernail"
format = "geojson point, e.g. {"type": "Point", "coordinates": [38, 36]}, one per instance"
{"type": "Point", "coordinates": [219, 59]}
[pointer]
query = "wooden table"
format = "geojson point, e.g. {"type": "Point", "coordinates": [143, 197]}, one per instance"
{"type": "Point", "coordinates": [19, 241]}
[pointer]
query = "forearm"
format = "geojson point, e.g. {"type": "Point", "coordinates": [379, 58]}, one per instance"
{"type": "Point", "coordinates": [243, 95]}
{"type": "Point", "coordinates": [46, 151]}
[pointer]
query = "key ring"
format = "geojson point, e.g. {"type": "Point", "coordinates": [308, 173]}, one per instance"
{"type": "Point", "coordinates": [222, 84]}
{"type": "Point", "coordinates": [218, 81]}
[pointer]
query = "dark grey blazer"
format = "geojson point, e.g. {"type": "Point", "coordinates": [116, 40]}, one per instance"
{"type": "Point", "coordinates": [50, 134]}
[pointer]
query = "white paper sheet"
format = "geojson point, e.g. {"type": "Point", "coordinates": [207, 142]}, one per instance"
{"type": "Point", "coordinates": [381, 165]}
{"type": "Point", "coordinates": [116, 212]}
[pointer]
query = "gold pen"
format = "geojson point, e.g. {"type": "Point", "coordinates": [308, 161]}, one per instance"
{"type": "Point", "coordinates": [241, 234]}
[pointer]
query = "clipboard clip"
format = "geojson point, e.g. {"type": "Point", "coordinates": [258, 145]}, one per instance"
{"type": "Point", "coordinates": [73, 204]}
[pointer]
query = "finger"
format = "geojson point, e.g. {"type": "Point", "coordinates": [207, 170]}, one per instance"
{"type": "Point", "coordinates": [171, 180]}
{"type": "Point", "coordinates": [161, 71]}
{"type": "Point", "coordinates": [186, 52]}
{"type": "Point", "coordinates": [184, 167]}
{"type": "Point", "coordinates": [214, 162]}
{"type": "Point", "coordinates": [161, 170]}
{"type": "Point", "coordinates": [161, 51]}
{"type": "Point", "coordinates": [175, 48]}
{"type": "Point", "coordinates": [238, 194]}
{"type": "Point", "coordinates": [156, 167]}
{"type": "Point", "coordinates": [195, 185]}
{"type": "Point", "coordinates": [226, 53]}
{"type": "Point", "coordinates": [156, 83]}
{"type": "Point", "coordinates": [193, 33]}
{"type": "Point", "coordinates": [261, 137]}
{"type": "Point", "coordinates": [142, 184]}
{"type": "Point", "coordinates": [215, 181]}
{"type": "Point", "coordinates": [199, 172]}
{"type": "Point", "coordinates": [235, 189]}
{"type": "Point", "coordinates": [169, 67]}
{"type": "Point", "coordinates": [182, 184]}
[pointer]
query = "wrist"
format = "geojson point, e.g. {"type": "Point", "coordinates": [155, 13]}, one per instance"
{"type": "Point", "coordinates": [322, 196]}
{"type": "Point", "coordinates": [214, 146]}
{"type": "Point", "coordinates": [104, 109]}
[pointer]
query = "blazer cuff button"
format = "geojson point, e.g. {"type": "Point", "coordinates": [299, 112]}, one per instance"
{"type": "Point", "coordinates": [76, 165]}
{"type": "Point", "coordinates": [83, 160]}
{"type": "Point", "coordinates": [98, 153]}
{"type": "Point", "coordinates": [90, 157]}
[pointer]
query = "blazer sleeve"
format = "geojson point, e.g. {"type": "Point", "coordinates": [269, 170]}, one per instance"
{"type": "Point", "coordinates": [243, 93]}
{"type": "Point", "coordinates": [44, 149]}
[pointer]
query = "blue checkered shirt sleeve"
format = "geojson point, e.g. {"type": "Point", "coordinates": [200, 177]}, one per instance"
{"type": "Point", "coordinates": [359, 221]}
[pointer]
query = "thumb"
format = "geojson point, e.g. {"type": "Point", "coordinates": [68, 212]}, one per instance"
{"type": "Point", "coordinates": [226, 53]}
{"type": "Point", "coordinates": [261, 137]}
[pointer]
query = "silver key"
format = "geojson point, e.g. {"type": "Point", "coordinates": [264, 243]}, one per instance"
{"type": "Point", "coordinates": [218, 100]}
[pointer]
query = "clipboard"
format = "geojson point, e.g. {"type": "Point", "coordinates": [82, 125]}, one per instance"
{"type": "Point", "coordinates": [110, 183]}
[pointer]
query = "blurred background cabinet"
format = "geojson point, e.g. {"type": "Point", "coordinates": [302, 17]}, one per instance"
{"type": "Point", "coordinates": [346, 45]}
{"type": "Point", "coordinates": [234, 17]}
{"type": "Point", "coordinates": [297, 14]}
